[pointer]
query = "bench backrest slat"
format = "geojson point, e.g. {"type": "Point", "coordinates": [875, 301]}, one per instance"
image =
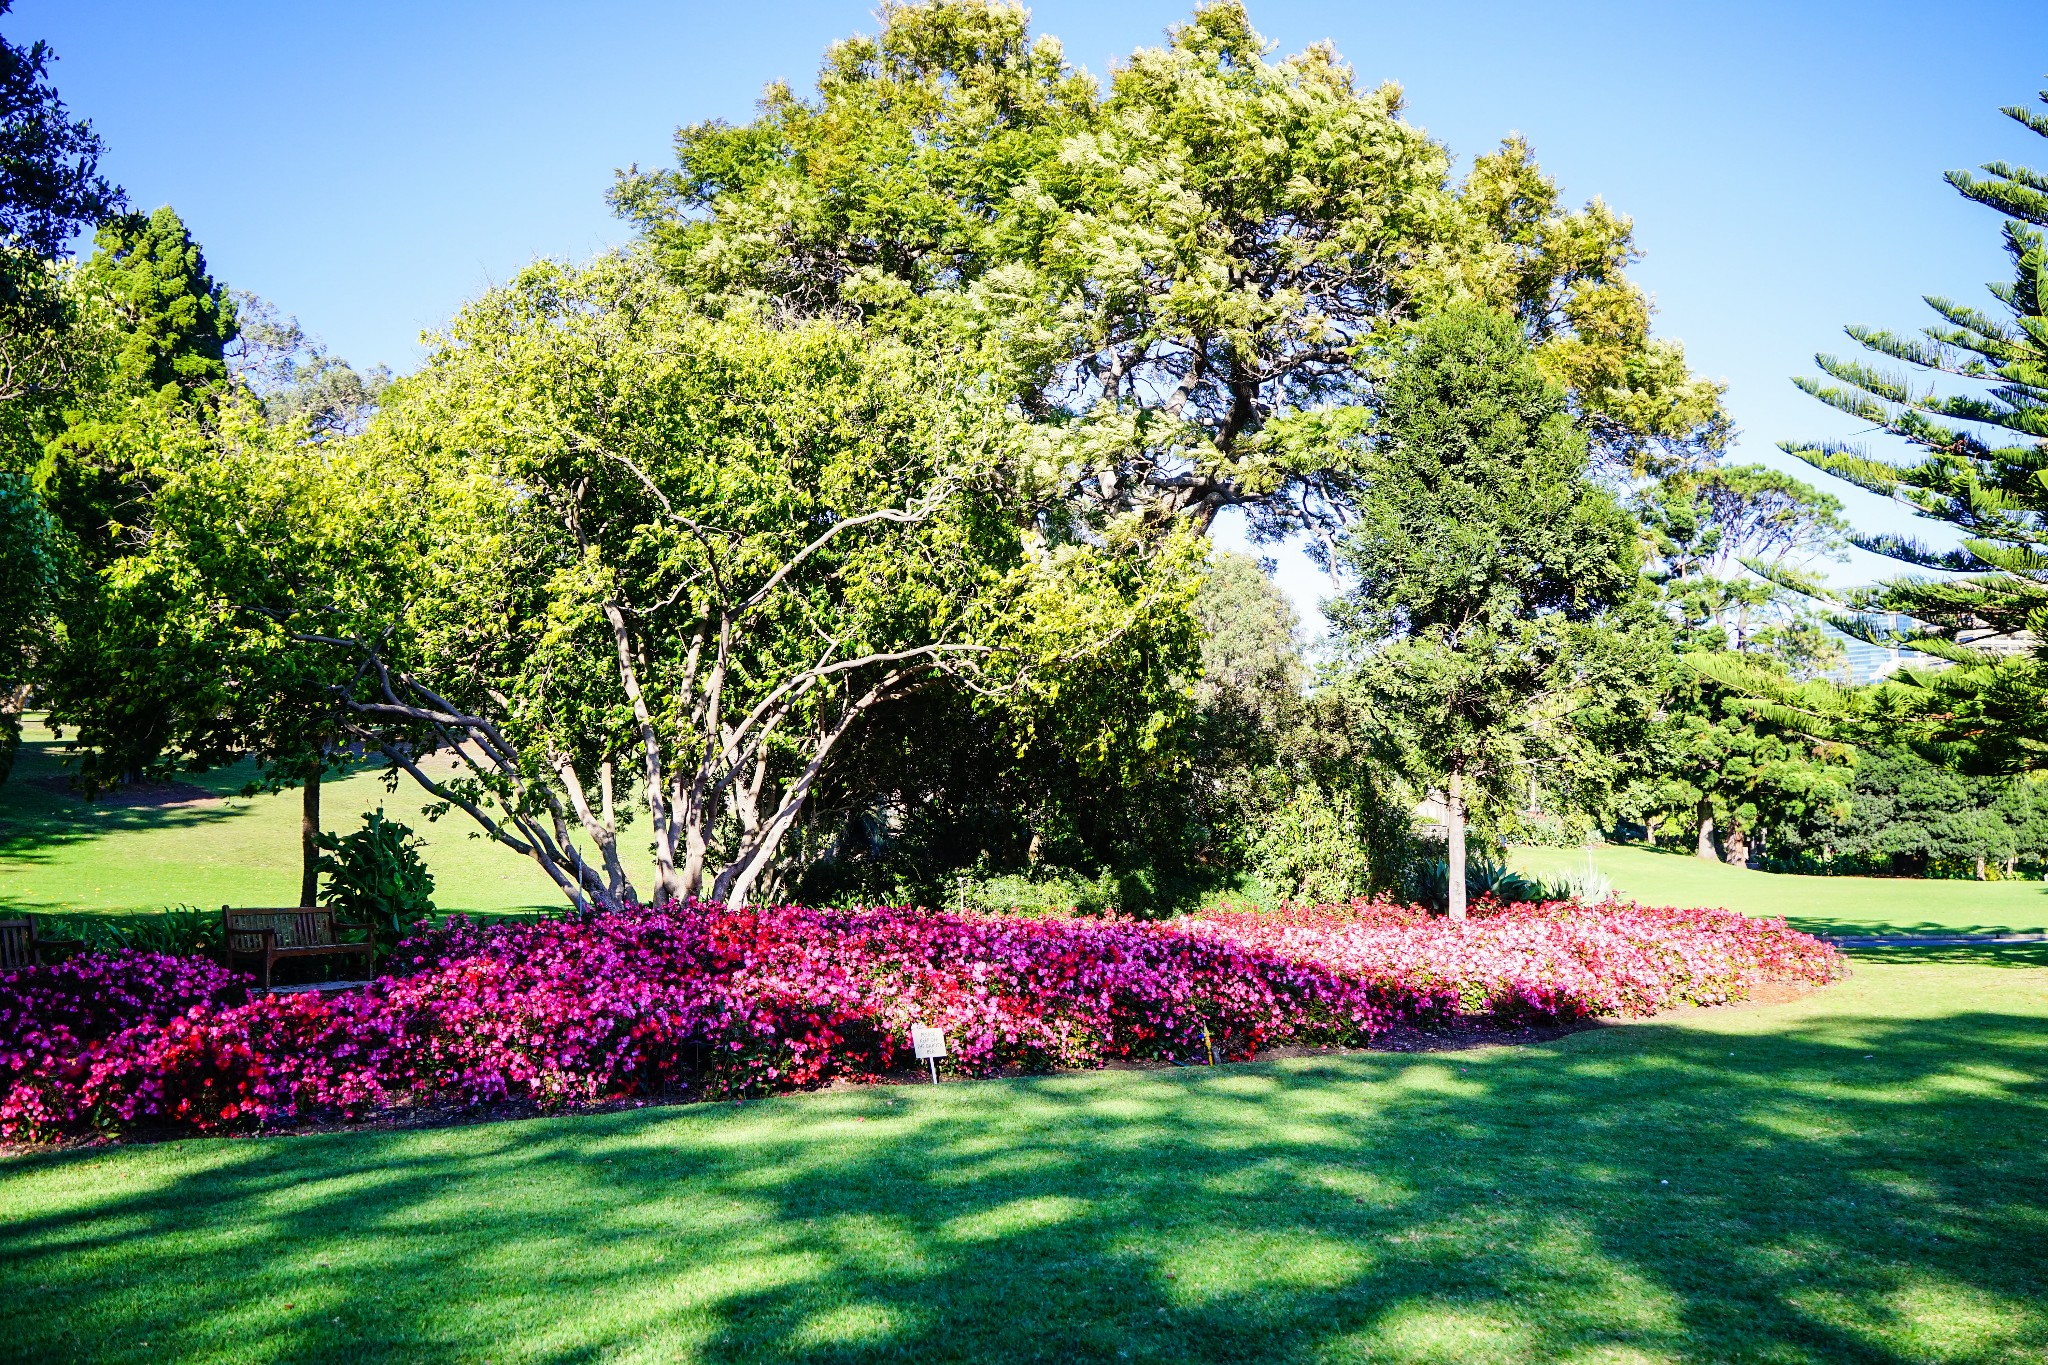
{"type": "Point", "coordinates": [17, 944]}
{"type": "Point", "coordinates": [295, 927]}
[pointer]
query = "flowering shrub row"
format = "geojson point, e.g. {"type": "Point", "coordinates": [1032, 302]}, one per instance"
{"type": "Point", "coordinates": [714, 1001]}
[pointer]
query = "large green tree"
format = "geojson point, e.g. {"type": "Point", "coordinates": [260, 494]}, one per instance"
{"type": "Point", "coordinates": [1490, 571]}
{"type": "Point", "coordinates": [151, 669]}
{"type": "Point", "coordinates": [1191, 273]}
{"type": "Point", "coordinates": [1192, 277]}
{"type": "Point", "coordinates": [167, 323]}
{"type": "Point", "coordinates": [672, 564]}
{"type": "Point", "coordinates": [253, 532]}
{"type": "Point", "coordinates": [1977, 424]}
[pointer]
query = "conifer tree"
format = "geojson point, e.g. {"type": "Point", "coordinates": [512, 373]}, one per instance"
{"type": "Point", "coordinates": [174, 321]}
{"type": "Point", "coordinates": [1981, 466]}
{"type": "Point", "coordinates": [167, 323]}
{"type": "Point", "coordinates": [1490, 573]}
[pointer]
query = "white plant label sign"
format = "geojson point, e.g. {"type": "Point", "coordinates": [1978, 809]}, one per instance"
{"type": "Point", "coordinates": [928, 1042]}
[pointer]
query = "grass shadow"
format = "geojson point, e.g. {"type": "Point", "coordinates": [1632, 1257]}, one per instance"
{"type": "Point", "coordinates": [1961, 954]}
{"type": "Point", "coordinates": [1652, 1192]}
{"type": "Point", "coordinates": [35, 819]}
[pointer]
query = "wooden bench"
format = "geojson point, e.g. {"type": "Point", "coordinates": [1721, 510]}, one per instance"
{"type": "Point", "coordinates": [20, 947]}
{"type": "Point", "coordinates": [282, 934]}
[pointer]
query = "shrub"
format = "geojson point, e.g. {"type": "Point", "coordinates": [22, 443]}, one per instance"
{"type": "Point", "coordinates": [1487, 877]}
{"type": "Point", "coordinates": [375, 876]}
{"type": "Point", "coordinates": [182, 930]}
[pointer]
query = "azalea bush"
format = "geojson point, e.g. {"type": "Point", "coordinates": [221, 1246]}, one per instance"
{"type": "Point", "coordinates": [703, 1000]}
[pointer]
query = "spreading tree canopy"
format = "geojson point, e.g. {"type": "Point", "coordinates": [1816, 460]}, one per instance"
{"type": "Point", "coordinates": [608, 560]}
{"type": "Point", "coordinates": [1192, 273]}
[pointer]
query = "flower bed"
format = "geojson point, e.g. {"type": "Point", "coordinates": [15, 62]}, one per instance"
{"type": "Point", "coordinates": [708, 1001]}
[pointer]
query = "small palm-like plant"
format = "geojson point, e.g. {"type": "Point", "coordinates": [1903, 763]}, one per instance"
{"type": "Point", "coordinates": [375, 876]}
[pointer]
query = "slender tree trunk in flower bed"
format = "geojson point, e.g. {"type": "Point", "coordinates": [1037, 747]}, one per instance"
{"type": "Point", "coordinates": [1454, 844]}
{"type": "Point", "coordinates": [703, 1000]}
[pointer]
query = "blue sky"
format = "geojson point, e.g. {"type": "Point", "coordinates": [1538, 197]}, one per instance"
{"type": "Point", "coordinates": [369, 166]}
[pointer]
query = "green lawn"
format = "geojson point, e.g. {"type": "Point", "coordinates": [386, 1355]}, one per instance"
{"type": "Point", "coordinates": [59, 855]}
{"type": "Point", "coordinates": [1857, 1176]}
{"type": "Point", "coordinates": [1825, 905]}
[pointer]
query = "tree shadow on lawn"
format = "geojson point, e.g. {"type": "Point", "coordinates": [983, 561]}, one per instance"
{"type": "Point", "coordinates": [1958, 954]}
{"type": "Point", "coordinates": [1854, 1189]}
{"type": "Point", "coordinates": [36, 819]}
{"type": "Point", "coordinates": [2028, 915]}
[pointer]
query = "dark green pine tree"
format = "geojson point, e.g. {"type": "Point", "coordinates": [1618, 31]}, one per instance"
{"type": "Point", "coordinates": [172, 320]}
{"type": "Point", "coordinates": [168, 324]}
{"type": "Point", "coordinates": [1980, 465]}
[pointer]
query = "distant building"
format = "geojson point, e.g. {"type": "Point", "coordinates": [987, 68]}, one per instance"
{"type": "Point", "coordinates": [1865, 662]}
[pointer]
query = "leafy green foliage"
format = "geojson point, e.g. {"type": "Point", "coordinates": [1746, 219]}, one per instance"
{"type": "Point", "coordinates": [50, 183]}
{"type": "Point", "coordinates": [28, 579]}
{"type": "Point", "coordinates": [1717, 763]}
{"type": "Point", "coordinates": [173, 320]}
{"type": "Point", "coordinates": [375, 876]}
{"type": "Point", "coordinates": [1913, 818]}
{"type": "Point", "coordinates": [180, 652]}
{"type": "Point", "coordinates": [1310, 848]}
{"type": "Point", "coordinates": [1194, 272]}
{"type": "Point", "coordinates": [1491, 574]}
{"type": "Point", "coordinates": [165, 323]}
{"type": "Point", "coordinates": [690, 556]}
{"type": "Point", "coordinates": [1980, 468]}
{"type": "Point", "coordinates": [1487, 873]}
{"type": "Point", "coordinates": [181, 930]}
{"type": "Point", "coordinates": [50, 187]}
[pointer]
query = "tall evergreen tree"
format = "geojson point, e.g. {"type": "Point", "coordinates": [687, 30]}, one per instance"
{"type": "Point", "coordinates": [173, 320]}
{"type": "Point", "coordinates": [168, 323]}
{"type": "Point", "coordinates": [1488, 568]}
{"type": "Point", "coordinates": [1981, 467]}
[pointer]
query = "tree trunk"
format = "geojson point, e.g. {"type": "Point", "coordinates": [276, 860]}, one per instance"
{"type": "Point", "coordinates": [1738, 845]}
{"type": "Point", "coordinates": [1980, 867]}
{"type": "Point", "coordinates": [1454, 862]}
{"type": "Point", "coordinates": [1705, 846]}
{"type": "Point", "coordinates": [309, 839]}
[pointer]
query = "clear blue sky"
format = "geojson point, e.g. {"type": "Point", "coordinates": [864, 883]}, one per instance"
{"type": "Point", "coordinates": [370, 165]}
